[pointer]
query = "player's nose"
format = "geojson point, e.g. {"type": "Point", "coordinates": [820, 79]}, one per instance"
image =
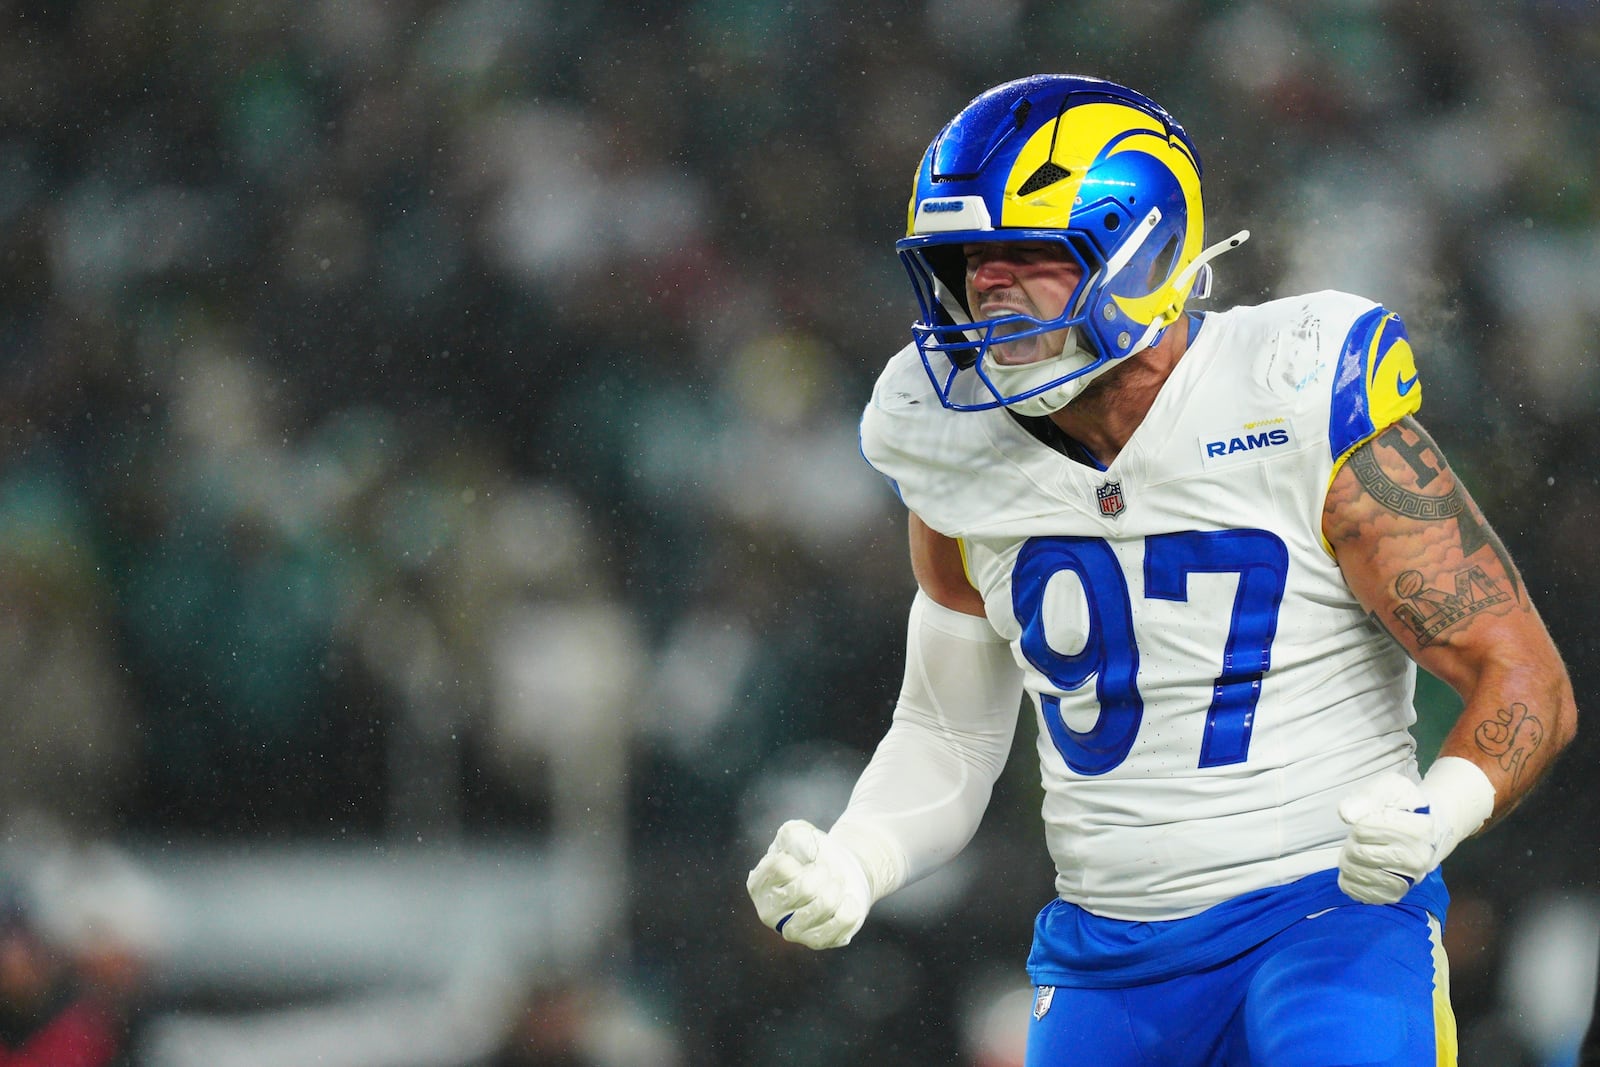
{"type": "Point", "coordinates": [991, 271]}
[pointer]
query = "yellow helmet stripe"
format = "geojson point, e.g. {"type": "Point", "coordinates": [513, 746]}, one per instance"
{"type": "Point", "coordinates": [1162, 304]}
{"type": "Point", "coordinates": [1074, 148]}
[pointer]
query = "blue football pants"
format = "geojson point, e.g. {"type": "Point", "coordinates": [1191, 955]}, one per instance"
{"type": "Point", "coordinates": [1357, 986]}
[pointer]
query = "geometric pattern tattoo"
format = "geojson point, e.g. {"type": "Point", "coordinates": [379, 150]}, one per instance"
{"type": "Point", "coordinates": [1474, 534]}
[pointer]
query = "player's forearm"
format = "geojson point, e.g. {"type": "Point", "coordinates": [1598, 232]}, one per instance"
{"type": "Point", "coordinates": [1519, 715]}
{"type": "Point", "coordinates": [918, 803]}
{"type": "Point", "coordinates": [922, 795]}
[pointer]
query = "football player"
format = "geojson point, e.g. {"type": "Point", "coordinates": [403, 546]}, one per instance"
{"type": "Point", "coordinates": [1212, 548]}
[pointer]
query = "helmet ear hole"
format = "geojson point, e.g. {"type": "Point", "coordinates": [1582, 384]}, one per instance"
{"type": "Point", "coordinates": [1161, 266]}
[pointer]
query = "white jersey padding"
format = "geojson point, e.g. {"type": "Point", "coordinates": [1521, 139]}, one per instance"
{"type": "Point", "coordinates": [1213, 727]}
{"type": "Point", "coordinates": [924, 791]}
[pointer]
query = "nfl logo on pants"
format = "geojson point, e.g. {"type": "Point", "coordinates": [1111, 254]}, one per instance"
{"type": "Point", "coordinates": [1110, 497]}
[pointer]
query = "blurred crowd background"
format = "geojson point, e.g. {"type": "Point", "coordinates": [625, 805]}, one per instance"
{"type": "Point", "coordinates": [434, 552]}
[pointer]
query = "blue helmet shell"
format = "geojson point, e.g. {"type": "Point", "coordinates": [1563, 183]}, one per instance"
{"type": "Point", "coordinates": [1097, 167]}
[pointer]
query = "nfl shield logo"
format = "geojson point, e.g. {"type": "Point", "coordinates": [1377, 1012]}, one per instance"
{"type": "Point", "coordinates": [1041, 1000]}
{"type": "Point", "coordinates": [1110, 497]}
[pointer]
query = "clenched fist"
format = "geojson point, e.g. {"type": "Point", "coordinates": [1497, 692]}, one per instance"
{"type": "Point", "coordinates": [1400, 831]}
{"type": "Point", "coordinates": [810, 887]}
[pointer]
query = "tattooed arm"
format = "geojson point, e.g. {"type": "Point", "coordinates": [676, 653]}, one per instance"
{"type": "Point", "coordinates": [1420, 557]}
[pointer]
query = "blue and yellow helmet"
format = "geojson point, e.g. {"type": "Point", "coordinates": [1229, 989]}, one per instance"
{"type": "Point", "coordinates": [1097, 167]}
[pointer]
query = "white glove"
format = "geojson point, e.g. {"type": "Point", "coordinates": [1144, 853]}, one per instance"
{"type": "Point", "coordinates": [1400, 831]}
{"type": "Point", "coordinates": [810, 887]}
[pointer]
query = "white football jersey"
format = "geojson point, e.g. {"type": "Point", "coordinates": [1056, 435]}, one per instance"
{"type": "Point", "coordinates": [1206, 686]}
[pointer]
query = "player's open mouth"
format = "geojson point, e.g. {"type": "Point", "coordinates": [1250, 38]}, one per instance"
{"type": "Point", "coordinates": [1015, 353]}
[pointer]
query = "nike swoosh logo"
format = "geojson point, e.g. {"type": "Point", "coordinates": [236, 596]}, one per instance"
{"type": "Point", "coordinates": [1404, 385]}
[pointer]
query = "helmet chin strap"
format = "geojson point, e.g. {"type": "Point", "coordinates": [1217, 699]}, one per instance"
{"type": "Point", "coordinates": [1011, 379]}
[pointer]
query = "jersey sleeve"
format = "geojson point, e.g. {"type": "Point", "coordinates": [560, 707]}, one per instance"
{"type": "Point", "coordinates": [1375, 381]}
{"type": "Point", "coordinates": [907, 437]}
{"type": "Point", "coordinates": [896, 398]}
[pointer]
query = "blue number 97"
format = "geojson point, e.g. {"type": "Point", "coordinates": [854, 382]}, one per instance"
{"type": "Point", "coordinates": [1110, 653]}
